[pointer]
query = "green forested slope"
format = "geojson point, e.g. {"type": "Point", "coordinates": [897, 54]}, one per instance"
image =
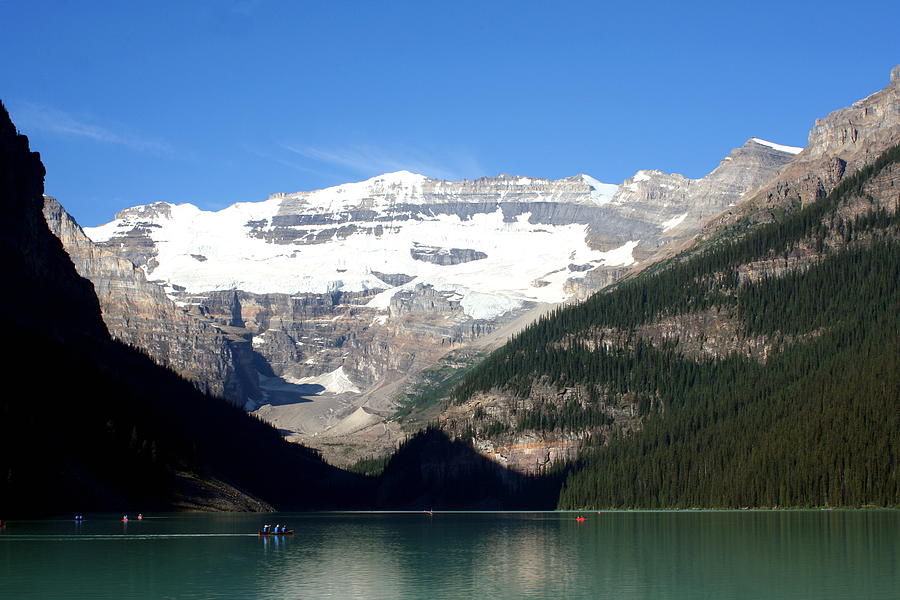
{"type": "Point", "coordinates": [815, 424]}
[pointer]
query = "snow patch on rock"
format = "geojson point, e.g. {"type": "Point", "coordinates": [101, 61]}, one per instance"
{"type": "Point", "coordinates": [335, 382]}
{"type": "Point", "coordinates": [601, 192]}
{"type": "Point", "coordinates": [673, 222]}
{"type": "Point", "coordinates": [779, 147]}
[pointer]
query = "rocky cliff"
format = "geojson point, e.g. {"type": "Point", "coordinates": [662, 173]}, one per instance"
{"type": "Point", "coordinates": [679, 206]}
{"type": "Point", "coordinates": [839, 144]}
{"type": "Point", "coordinates": [140, 314]}
{"type": "Point", "coordinates": [95, 425]}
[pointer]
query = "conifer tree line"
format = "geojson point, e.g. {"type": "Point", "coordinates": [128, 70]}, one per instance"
{"type": "Point", "coordinates": [816, 424]}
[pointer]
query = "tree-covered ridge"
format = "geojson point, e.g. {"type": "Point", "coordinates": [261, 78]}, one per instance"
{"type": "Point", "coordinates": [705, 279]}
{"type": "Point", "coordinates": [828, 292]}
{"type": "Point", "coordinates": [813, 424]}
{"type": "Point", "coordinates": [649, 375]}
{"type": "Point", "coordinates": [817, 425]}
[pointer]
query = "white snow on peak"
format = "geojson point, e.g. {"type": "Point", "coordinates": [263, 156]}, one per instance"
{"type": "Point", "coordinates": [102, 233]}
{"type": "Point", "coordinates": [335, 382]}
{"type": "Point", "coordinates": [601, 192]}
{"type": "Point", "coordinates": [641, 176]}
{"type": "Point", "coordinates": [779, 147]}
{"type": "Point", "coordinates": [673, 222]}
{"type": "Point", "coordinates": [382, 301]}
{"type": "Point", "coordinates": [187, 220]}
{"type": "Point", "coordinates": [637, 178]}
{"type": "Point", "coordinates": [397, 178]}
{"type": "Point", "coordinates": [204, 251]}
{"type": "Point", "coordinates": [401, 174]}
{"type": "Point", "coordinates": [381, 190]}
{"type": "Point", "coordinates": [518, 253]}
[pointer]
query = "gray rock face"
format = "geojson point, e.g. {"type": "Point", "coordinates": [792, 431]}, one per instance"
{"type": "Point", "coordinates": [839, 144]}
{"type": "Point", "coordinates": [139, 313]}
{"type": "Point", "coordinates": [393, 279]}
{"type": "Point", "coordinates": [424, 299]}
{"type": "Point", "coordinates": [660, 197]}
{"type": "Point", "coordinates": [437, 193]}
{"type": "Point", "coordinates": [671, 208]}
{"type": "Point", "coordinates": [860, 132]}
{"type": "Point", "coordinates": [288, 331]}
{"type": "Point", "coordinates": [445, 256]}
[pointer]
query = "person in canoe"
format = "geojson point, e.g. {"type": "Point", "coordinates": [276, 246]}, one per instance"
{"type": "Point", "coordinates": [276, 530]}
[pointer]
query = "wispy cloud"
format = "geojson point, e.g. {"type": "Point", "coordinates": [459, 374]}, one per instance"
{"type": "Point", "coordinates": [39, 117]}
{"type": "Point", "coordinates": [369, 160]}
{"type": "Point", "coordinates": [291, 161]}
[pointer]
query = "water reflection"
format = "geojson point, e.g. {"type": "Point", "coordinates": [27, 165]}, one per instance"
{"type": "Point", "coordinates": [728, 555]}
{"type": "Point", "coordinates": [611, 555]}
{"type": "Point", "coordinates": [344, 556]}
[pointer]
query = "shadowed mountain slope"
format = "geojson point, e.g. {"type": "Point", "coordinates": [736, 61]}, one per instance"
{"type": "Point", "coordinates": [91, 424]}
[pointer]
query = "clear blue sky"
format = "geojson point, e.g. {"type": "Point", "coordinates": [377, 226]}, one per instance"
{"type": "Point", "coordinates": [218, 101]}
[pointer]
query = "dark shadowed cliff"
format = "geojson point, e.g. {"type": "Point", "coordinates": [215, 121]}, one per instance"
{"type": "Point", "coordinates": [88, 423]}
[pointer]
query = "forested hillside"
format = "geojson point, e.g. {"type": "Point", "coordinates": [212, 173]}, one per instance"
{"type": "Point", "coordinates": [800, 410]}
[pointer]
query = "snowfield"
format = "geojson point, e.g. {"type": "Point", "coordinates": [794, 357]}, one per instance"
{"type": "Point", "coordinates": [203, 251]}
{"type": "Point", "coordinates": [780, 147]}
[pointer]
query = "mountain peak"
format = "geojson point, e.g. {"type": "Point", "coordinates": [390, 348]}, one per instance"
{"type": "Point", "coordinates": [151, 211]}
{"type": "Point", "coordinates": [774, 146]}
{"type": "Point", "coordinates": [602, 193]}
{"type": "Point", "coordinates": [394, 177]}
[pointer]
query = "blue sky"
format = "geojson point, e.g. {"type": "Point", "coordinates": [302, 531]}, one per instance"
{"type": "Point", "coordinates": [219, 101]}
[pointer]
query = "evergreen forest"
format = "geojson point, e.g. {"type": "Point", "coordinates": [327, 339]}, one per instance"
{"type": "Point", "coordinates": [814, 422]}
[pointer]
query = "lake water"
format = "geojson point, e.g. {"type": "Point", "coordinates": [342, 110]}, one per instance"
{"type": "Point", "coordinates": [623, 555]}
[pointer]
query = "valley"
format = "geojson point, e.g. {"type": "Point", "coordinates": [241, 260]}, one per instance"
{"type": "Point", "coordinates": [539, 325]}
{"type": "Point", "coordinates": [321, 310]}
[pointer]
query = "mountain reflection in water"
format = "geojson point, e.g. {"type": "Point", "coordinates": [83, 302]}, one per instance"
{"type": "Point", "coordinates": [670, 555]}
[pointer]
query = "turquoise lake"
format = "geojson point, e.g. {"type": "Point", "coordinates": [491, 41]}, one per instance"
{"type": "Point", "coordinates": [623, 555]}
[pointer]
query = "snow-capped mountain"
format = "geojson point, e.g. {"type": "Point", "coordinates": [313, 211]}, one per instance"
{"type": "Point", "coordinates": [357, 285]}
{"type": "Point", "coordinates": [494, 244]}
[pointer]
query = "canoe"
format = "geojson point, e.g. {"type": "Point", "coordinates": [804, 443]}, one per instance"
{"type": "Point", "coordinates": [288, 532]}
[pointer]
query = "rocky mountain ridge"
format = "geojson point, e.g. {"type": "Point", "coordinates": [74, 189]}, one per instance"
{"type": "Point", "coordinates": [140, 314]}
{"type": "Point", "coordinates": [841, 144]}
{"type": "Point", "coordinates": [374, 281]}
